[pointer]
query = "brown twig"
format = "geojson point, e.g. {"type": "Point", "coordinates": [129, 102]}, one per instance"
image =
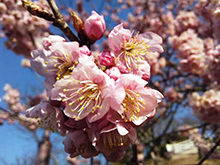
{"type": "Point", "coordinates": [19, 117]}
{"type": "Point", "coordinates": [56, 17]}
{"type": "Point", "coordinates": [61, 23]}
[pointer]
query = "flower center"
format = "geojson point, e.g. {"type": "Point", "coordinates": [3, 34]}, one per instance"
{"type": "Point", "coordinates": [132, 50]}
{"type": "Point", "coordinates": [132, 105]}
{"type": "Point", "coordinates": [114, 139]}
{"type": "Point", "coordinates": [63, 66]}
{"type": "Point", "coordinates": [82, 97]}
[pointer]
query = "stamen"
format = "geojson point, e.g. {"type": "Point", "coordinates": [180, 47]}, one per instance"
{"type": "Point", "coordinates": [133, 50]}
{"type": "Point", "coordinates": [88, 94]}
{"type": "Point", "coordinates": [132, 105]}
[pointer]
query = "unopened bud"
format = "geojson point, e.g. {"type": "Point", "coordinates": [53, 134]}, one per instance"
{"type": "Point", "coordinates": [95, 26]}
{"type": "Point", "coordinates": [78, 23]}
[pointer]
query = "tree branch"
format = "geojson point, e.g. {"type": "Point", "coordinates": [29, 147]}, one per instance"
{"type": "Point", "coordinates": [44, 149]}
{"type": "Point", "coordinates": [210, 152]}
{"type": "Point", "coordinates": [56, 17]}
{"type": "Point", "coordinates": [61, 23]}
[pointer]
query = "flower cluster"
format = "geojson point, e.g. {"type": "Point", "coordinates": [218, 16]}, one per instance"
{"type": "Point", "coordinates": [12, 97]}
{"type": "Point", "coordinates": [97, 102]}
{"type": "Point", "coordinates": [24, 31]}
{"type": "Point", "coordinates": [190, 48]}
{"type": "Point", "coordinates": [213, 60]}
{"type": "Point", "coordinates": [207, 106]}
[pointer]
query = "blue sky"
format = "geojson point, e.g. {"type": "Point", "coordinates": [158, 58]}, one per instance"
{"type": "Point", "coordinates": [12, 140]}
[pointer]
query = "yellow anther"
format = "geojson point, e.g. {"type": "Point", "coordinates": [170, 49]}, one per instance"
{"type": "Point", "coordinates": [77, 117]}
{"type": "Point", "coordinates": [76, 62]}
{"type": "Point", "coordinates": [64, 90]}
{"type": "Point", "coordinates": [46, 70]}
{"type": "Point", "coordinates": [98, 106]}
{"type": "Point", "coordinates": [143, 102]}
{"type": "Point", "coordinates": [63, 100]}
{"type": "Point", "coordinates": [70, 104]}
{"type": "Point", "coordinates": [54, 57]}
{"type": "Point", "coordinates": [46, 62]}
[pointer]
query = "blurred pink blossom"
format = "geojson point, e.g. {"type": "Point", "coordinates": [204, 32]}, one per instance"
{"type": "Point", "coordinates": [207, 106]}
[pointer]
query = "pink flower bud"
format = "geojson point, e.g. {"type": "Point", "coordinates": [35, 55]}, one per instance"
{"type": "Point", "coordinates": [95, 26]}
{"type": "Point", "coordinates": [106, 58]}
{"type": "Point", "coordinates": [85, 50]}
{"type": "Point", "coordinates": [113, 72]}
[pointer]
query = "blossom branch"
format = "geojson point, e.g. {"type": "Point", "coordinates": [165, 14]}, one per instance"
{"type": "Point", "coordinates": [19, 117]}
{"type": "Point", "coordinates": [56, 17]}
{"type": "Point", "coordinates": [60, 22]}
{"type": "Point", "coordinates": [36, 10]}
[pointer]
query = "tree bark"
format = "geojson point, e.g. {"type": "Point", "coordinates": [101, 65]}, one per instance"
{"type": "Point", "coordinates": [44, 149]}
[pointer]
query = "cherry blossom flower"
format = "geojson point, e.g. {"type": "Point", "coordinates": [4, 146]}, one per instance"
{"type": "Point", "coordinates": [46, 113]}
{"type": "Point", "coordinates": [207, 106]}
{"type": "Point", "coordinates": [129, 49]}
{"type": "Point", "coordinates": [57, 59]}
{"type": "Point", "coordinates": [88, 92]}
{"type": "Point", "coordinates": [77, 143]}
{"type": "Point", "coordinates": [140, 102]}
{"type": "Point", "coordinates": [111, 136]}
{"type": "Point", "coordinates": [12, 97]}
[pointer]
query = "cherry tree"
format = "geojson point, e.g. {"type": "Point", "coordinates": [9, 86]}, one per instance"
{"type": "Point", "coordinates": [118, 82]}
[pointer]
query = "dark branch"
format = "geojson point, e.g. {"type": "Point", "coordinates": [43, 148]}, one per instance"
{"type": "Point", "coordinates": [61, 23]}
{"type": "Point", "coordinates": [210, 152]}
